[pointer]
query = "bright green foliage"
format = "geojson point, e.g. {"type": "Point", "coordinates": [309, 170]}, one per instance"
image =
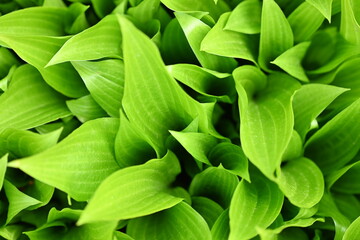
{"type": "Point", "coordinates": [179, 119]}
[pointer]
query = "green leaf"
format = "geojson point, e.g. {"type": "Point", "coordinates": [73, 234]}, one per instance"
{"type": "Point", "coordinates": [327, 51]}
{"type": "Point", "coordinates": [215, 10]}
{"type": "Point", "coordinates": [99, 41]}
{"type": "Point", "coordinates": [105, 81]}
{"type": "Point", "coordinates": [153, 114]}
{"type": "Point", "coordinates": [324, 147]}
{"type": "Point", "coordinates": [209, 83]}
{"type": "Point", "coordinates": [353, 232]}
{"type": "Point", "coordinates": [275, 36]}
{"type": "Point", "coordinates": [8, 60]}
{"type": "Point", "coordinates": [145, 11]}
{"type": "Point", "coordinates": [245, 18]}
{"type": "Point", "coordinates": [266, 116]}
{"type": "Point", "coordinates": [45, 21]}
{"type": "Point", "coordinates": [347, 76]}
{"type": "Point", "coordinates": [68, 165]}
{"type": "Point", "coordinates": [174, 46]}
{"type": "Point", "coordinates": [37, 51]}
{"type": "Point", "coordinates": [178, 222]}
{"type": "Point", "coordinates": [290, 61]}
{"type": "Point", "coordinates": [231, 157]}
{"type": "Point", "coordinates": [130, 146]}
{"type": "Point", "coordinates": [195, 31]}
{"type": "Point", "coordinates": [254, 205]}
{"type": "Point", "coordinates": [22, 143]}
{"type": "Point", "coordinates": [216, 184]}
{"type": "Point", "coordinates": [295, 147]}
{"type": "Point", "coordinates": [12, 231]}
{"type": "Point", "coordinates": [304, 22]}
{"type": "Point", "coordinates": [328, 208]}
{"type": "Point", "coordinates": [207, 208]}
{"type": "Point", "coordinates": [135, 191]}
{"type": "Point", "coordinates": [348, 204]}
{"type": "Point", "coordinates": [349, 181]}
{"type": "Point", "coordinates": [197, 144]}
{"type": "Point", "coordinates": [309, 101]}
{"type": "Point", "coordinates": [221, 228]}
{"type": "Point", "coordinates": [18, 201]}
{"type": "Point", "coordinates": [303, 188]}
{"type": "Point", "coordinates": [39, 103]}
{"type": "Point", "coordinates": [3, 165]}
{"type": "Point", "coordinates": [62, 224]}
{"type": "Point", "coordinates": [324, 6]}
{"type": "Point", "coordinates": [103, 8]}
{"type": "Point", "coordinates": [350, 21]}
{"type": "Point", "coordinates": [227, 43]}
{"type": "Point", "coordinates": [85, 108]}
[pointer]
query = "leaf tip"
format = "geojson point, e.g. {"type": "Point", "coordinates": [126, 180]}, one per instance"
{"type": "Point", "coordinates": [14, 164]}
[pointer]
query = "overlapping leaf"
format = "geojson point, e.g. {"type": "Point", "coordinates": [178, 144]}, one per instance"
{"type": "Point", "coordinates": [266, 116]}
{"type": "Point", "coordinates": [254, 205]}
{"type": "Point", "coordinates": [303, 188]}
{"type": "Point", "coordinates": [169, 222]}
{"type": "Point", "coordinates": [134, 191]}
{"type": "Point", "coordinates": [79, 163]}
{"type": "Point", "coordinates": [32, 102]}
{"type": "Point", "coordinates": [276, 35]}
{"type": "Point", "coordinates": [325, 149]}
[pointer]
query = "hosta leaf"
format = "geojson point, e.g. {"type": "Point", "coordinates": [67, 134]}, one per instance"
{"type": "Point", "coordinates": [222, 42]}
{"type": "Point", "coordinates": [197, 144]}
{"type": "Point", "coordinates": [245, 18]}
{"type": "Point", "coordinates": [327, 51]}
{"type": "Point", "coordinates": [348, 204]}
{"type": "Point", "coordinates": [215, 10]}
{"type": "Point", "coordinates": [195, 31]}
{"type": "Point", "coordinates": [62, 225]}
{"type": "Point", "coordinates": [254, 205]}
{"type": "Point", "coordinates": [324, 146]}
{"type": "Point", "coordinates": [105, 81]}
{"type": "Point", "coordinates": [135, 191]}
{"type": "Point", "coordinates": [324, 6]}
{"type": "Point", "coordinates": [304, 21]}
{"type": "Point", "coordinates": [85, 108]}
{"type": "Point", "coordinates": [216, 184]}
{"type": "Point", "coordinates": [37, 51]}
{"type": "Point", "coordinates": [3, 165]}
{"type": "Point", "coordinates": [77, 21]}
{"type": "Point", "coordinates": [347, 76]}
{"type": "Point", "coordinates": [207, 208]}
{"type": "Point", "coordinates": [145, 11]}
{"type": "Point", "coordinates": [130, 146]}
{"type": "Point", "coordinates": [45, 21]}
{"type": "Point", "coordinates": [29, 102]}
{"type": "Point", "coordinates": [102, 8]}
{"type": "Point", "coordinates": [349, 181]}
{"type": "Point", "coordinates": [174, 46]}
{"type": "Point", "coordinates": [281, 232]}
{"type": "Point", "coordinates": [167, 224]}
{"type": "Point", "coordinates": [12, 231]}
{"type": "Point", "coordinates": [68, 165]}
{"type": "Point", "coordinates": [353, 232]}
{"type": "Point", "coordinates": [295, 147]}
{"type": "Point", "coordinates": [309, 101]}
{"type": "Point", "coordinates": [145, 73]}
{"type": "Point", "coordinates": [231, 157]}
{"type": "Point", "coordinates": [221, 228]}
{"type": "Point", "coordinates": [350, 21]}
{"type": "Point", "coordinates": [18, 201]}
{"type": "Point", "coordinates": [99, 41]}
{"type": "Point", "coordinates": [303, 188]}
{"type": "Point", "coordinates": [328, 208]}
{"type": "Point", "coordinates": [121, 236]}
{"type": "Point", "coordinates": [266, 115]}
{"type": "Point", "coordinates": [207, 82]}
{"type": "Point", "coordinates": [22, 143]}
{"type": "Point", "coordinates": [276, 35]}
{"type": "Point", "coordinates": [7, 61]}
{"type": "Point", "coordinates": [290, 61]}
